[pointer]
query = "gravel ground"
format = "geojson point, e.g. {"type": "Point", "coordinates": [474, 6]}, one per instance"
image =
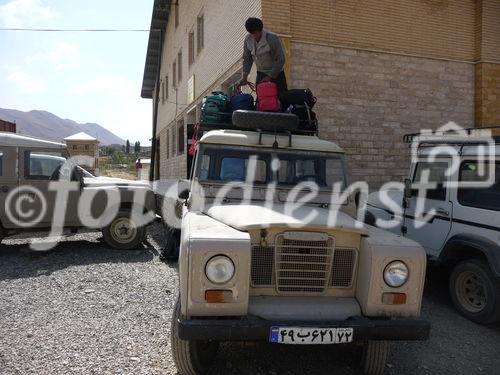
{"type": "Point", "coordinates": [83, 308]}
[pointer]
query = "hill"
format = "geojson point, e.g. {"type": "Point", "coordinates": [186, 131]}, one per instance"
{"type": "Point", "coordinates": [46, 125]}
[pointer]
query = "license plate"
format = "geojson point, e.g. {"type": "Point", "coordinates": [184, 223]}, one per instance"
{"type": "Point", "coordinates": [310, 336]}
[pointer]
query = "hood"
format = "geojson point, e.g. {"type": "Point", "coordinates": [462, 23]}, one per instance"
{"type": "Point", "coordinates": [112, 181]}
{"type": "Point", "coordinates": [248, 217]}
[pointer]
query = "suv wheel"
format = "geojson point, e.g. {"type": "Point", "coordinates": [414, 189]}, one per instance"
{"type": "Point", "coordinates": [475, 291]}
{"type": "Point", "coordinates": [375, 355]}
{"type": "Point", "coordinates": [122, 233]}
{"type": "Point", "coordinates": [190, 357]}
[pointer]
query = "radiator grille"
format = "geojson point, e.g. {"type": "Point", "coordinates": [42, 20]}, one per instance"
{"type": "Point", "coordinates": [344, 262]}
{"type": "Point", "coordinates": [262, 268]}
{"type": "Point", "coordinates": [303, 266]}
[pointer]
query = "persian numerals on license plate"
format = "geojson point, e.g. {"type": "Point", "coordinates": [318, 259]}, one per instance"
{"type": "Point", "coordinates": [310, 336]}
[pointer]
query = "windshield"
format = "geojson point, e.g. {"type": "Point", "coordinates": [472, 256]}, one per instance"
{"type": "Point", "coordinates": [262, 166]}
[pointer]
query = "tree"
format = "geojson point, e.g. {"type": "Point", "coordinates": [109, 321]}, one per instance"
{"type": "Point", "coordinates": [137, 148]}
{"type": "Point", "coordinates": [127, 147]}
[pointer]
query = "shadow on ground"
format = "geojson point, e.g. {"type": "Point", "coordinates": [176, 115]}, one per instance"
{"type": "Point", "coordinates": [17, 260]}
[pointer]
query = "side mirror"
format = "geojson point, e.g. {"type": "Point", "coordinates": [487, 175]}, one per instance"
{"type": "Point", "coordinates": [408, 186]}
{"type": "Point", "coordinates": [183, 194]}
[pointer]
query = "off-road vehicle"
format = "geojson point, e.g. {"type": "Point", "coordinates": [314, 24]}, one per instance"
{"type": "Point", "coordinates": [463, 233]}
{"type": "Point", "coordinates": [27, 167]}
{"type": "Point", "coordinates": [251, 268]}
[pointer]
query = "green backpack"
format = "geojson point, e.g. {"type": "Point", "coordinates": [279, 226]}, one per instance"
{"type": "Point", "coordinates": [215, 108]}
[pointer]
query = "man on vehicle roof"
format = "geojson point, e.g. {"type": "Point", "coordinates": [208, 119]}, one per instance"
{"type": "Point", "coordinates": [265, 49]}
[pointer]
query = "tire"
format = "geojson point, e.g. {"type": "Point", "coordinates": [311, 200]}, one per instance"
{"type": "Point", "coordinates": [122, 233]}
{"type": "Point", "coordinates": [190, 357]}
{"type": "Point", "coordinates": [271, 121]}
{"type": "Point", "coordinates": [375, 355]}
{"type": "Point", "coordinates": [475, 291]}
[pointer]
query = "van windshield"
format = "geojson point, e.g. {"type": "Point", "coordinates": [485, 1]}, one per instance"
{"type": "Point", "coordinates": [263, 166]}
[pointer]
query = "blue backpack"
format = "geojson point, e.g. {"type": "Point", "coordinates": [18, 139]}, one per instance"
{"type": "Point", "coordinates": [242, 101]}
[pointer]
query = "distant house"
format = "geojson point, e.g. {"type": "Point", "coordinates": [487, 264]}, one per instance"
{"type": "Point", "coordinates": [86, 150]}
{"type": "Point", "coordinates": [7, 126]}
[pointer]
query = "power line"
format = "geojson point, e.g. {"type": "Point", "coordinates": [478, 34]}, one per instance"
{"type": "Point", "coordinates": [80, 30]}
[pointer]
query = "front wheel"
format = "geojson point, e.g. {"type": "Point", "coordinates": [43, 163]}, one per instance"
{"type": "Point", "coordinates": [123, 233]}
{"type": "Point", "coordinates": [190, 357]}
{"type": "Point", "coordinates": [375, 355]}
{"type": "Point", "coordinates": [475, 291]}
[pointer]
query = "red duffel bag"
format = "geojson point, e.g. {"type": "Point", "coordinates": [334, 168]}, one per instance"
{"type": "Point", "coordinates": [267, 97]}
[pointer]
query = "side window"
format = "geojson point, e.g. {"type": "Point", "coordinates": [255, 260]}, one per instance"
{"type": "Point", "coordinates": [437, 174]}
{"type": "Point", "coordinates": [38, 166]}
{"type": "Point", "coordinates": [487, 198]}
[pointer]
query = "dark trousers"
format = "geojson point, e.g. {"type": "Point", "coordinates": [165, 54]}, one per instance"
{"type": "Point", "coordinates": [280, 82]}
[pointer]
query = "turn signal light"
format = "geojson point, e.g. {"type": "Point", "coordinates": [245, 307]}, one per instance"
{"type": "Point", "coordinates": [394, 298]}
{"type": "Point", "coordinates": [218, 296]}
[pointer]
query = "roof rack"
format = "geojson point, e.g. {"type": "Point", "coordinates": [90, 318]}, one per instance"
{"type": "Point", "coordinates": [408, 138]}
{"type": "Point", "coordinates": [206, 126]}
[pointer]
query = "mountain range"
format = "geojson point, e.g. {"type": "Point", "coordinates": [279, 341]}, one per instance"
{"type": "Point", "coordinates": [43, 124]}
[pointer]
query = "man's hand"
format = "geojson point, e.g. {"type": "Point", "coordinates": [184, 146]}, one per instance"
{"type": "Point", "coordinates": [244, 79]}
{"type": "Point", "coordinates": [266, 79]}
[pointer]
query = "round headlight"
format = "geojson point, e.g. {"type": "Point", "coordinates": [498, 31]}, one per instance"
{"type": "Point", "coordinates": [219, 269]}
{"type": "Point", "coordinates": [396, 274]}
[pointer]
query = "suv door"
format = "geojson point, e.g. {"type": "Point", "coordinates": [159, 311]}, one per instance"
{"type": "Point", "coordinates": [431, 233]}
{"type": "Point", "coordinates": [8, 182]}
{"type": "Point", "coordinates": [36, 168]}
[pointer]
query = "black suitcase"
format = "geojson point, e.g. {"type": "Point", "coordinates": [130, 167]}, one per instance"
{"type": "Point", "coordinates": [299, 97]}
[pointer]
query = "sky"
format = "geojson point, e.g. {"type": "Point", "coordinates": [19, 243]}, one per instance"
{"type": "Point", "coordinates": [85, 77]}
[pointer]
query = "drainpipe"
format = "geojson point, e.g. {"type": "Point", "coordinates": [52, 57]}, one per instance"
{"type": "Point", "coordinates": [155, 114]}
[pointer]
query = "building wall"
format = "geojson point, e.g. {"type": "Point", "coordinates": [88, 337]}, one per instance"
{"type": "Point", "coordinates": [367, 101]}
{"type": "Point", "coordinates": [219, 59]}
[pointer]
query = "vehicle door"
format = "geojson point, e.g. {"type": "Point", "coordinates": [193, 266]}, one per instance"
{"type": "Point", "coordinates": [37, 168]}
{"type": "Point", "coordinates": [8, 183]}
{"type": "Point", "coordinates": [429, 224]}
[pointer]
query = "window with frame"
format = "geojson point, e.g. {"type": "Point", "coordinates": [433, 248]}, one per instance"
{"type": "Point", "coordinates": [162, 92]}
{"type": "Point", "coordinates": [180, 139]}
{"type": "Point", "coordinates": [179, 66]}
{"type": "Point", "coordinates": [200, 31]}
{"type": "Point", "coordinates": [479, 197]}
{"type": "Point", "coordinates": [74, 147]}
{"type": "Point", "coordinates": [166, 87]}
{"type": "Point", "coordinates": [174, 74]}
{"type": "Point", "coordinates": [191, 48]}
{"type": "Point", "coordinates": [176, 14]}
{"type": "Point", "coordinates": [437, 175]}
{"type": "Point", "coordinates": [167, 144]}
{"type": "Point", "coordinates": [87, 147]}
{"type": "Point", "coordinates": [38, 166]}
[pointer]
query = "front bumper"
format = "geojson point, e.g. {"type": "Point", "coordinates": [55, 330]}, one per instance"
{"type": "Point", "coordinates": [256, 329]}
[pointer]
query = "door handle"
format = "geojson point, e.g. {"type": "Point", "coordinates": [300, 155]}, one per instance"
{"type": "Point", "coordinates": [442, 211]}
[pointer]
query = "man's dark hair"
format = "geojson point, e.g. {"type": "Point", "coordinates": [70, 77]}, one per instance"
{"type": "Point", "coordinates": [254, 24]}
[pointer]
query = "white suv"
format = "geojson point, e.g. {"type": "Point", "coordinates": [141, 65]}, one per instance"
{"type": "Point", "coordinates": [458, 225]}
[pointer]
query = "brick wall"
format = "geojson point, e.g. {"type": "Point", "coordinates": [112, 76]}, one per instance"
{"type": "Point", "coordinates": [434, 28]}
{"type": "Point", "coordinates": [367, 101]}
{"type": "Point", "coordinates": [487, 94]}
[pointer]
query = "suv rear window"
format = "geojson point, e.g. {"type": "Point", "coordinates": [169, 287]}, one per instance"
{"type": "Point", "coordinates": [486, 198]}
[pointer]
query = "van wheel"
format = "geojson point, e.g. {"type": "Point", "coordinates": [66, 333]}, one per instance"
{"type": "Point", "coordinates": [475, 291]}
{"type": "Point", "coordinates": [190, 357]}
{"type": "Point", "coordinates": [122, 233]}
{"type": "Point", "coordinates": [375, 355]}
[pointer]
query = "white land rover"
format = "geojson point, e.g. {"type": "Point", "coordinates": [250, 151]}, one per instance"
{"type": "Point", "coordinates": [269, 253]}
{"type": "Point", "coordinates": [458, 221]}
